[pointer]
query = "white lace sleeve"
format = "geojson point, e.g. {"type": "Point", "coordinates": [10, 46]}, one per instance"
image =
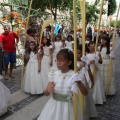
{"type": "Point", "coordinates": [77, 77]}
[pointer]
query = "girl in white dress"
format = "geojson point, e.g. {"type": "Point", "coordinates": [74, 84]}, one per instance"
{"type": "Point", "coordinates": [69, 42]}
{"type": "Point", "coordinates": [4, 97]}
{"type": "Point", "coordinates": [105, 51]}
{"type": "Point", "coordinates": [62, 84]}
{"type": "Point", "coordinates": [32, 78]}
{"type": "Point", "coordinates": [47, 61]}
{"type": "Point", "coordinates": [57, 46]}
{"type": "Point", "coordinates": [89, 105]}
{"type": "Point", "coordinates": [94, 59]}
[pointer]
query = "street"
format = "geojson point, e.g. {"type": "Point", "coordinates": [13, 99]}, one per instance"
{"type": "Point", "coordinates": [27, 107]}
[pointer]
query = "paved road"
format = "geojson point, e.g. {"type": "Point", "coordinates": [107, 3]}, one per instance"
{"type": "Point", "coordinates": [28, 107]}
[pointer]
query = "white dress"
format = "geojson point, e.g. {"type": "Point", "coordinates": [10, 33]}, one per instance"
{"type": "Point", "coordinates": [45, 67]}
{"type": "Point", "coordinates": [58, 47]}
{"type": "Point", "coordinates": [69, 45]}
{"type": "Point", "coordinates": [98, 89]}
{"type": "Point", "coordinates": [4, 98]}
{"type": "Point", "coordinates": [61, 110]}
{"type": "Point", "coordinates": [89, 105]}
{"type": "Point", "coordinates": [32, 79]}
{"type": "Point", "coordinates": [104, 67]}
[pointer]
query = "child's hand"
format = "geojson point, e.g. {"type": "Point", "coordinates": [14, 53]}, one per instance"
{"type": "Point", "coordinates": [41, 45]}
{"type": "Point", "coordinates": [82, 64]}
{"type": "Point", "coordinates": [92, 61]}
{"type": "Point", "coordinates": [50, 87]}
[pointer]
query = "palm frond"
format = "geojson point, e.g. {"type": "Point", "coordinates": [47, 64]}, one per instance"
{"type": "Point", "coordinates": [45, 24]}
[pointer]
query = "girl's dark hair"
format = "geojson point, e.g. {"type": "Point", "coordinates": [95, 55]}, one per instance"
{"type": "Point", "coordinates": [49, 27]}
{"type": "Point", "coordinates": [58, 37]}
{"type": "Point", "coordinates": [70, 37]}
{"type": "Point", "coordinates": [60, 30]}
{"type": "Point", "coordinates": [35, 49]}
{"type": "Point", "coordinates": [29, 31]}
{"type": "Point", "coordinates": [67, 54]}
{"type": "Point", "coordinates": [79, 47]}
{"type": "Point", "coordinates": [48, 42]}
{"type": "Point", "coordinates": [89, 36]}
{"type": "Point", "coordinates": [106, 38]}
{"type": "Point", "coordinates": [87, 45]}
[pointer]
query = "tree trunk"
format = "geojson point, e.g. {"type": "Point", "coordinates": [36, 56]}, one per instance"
{"type": "Point", "coordinates": [55, 15]}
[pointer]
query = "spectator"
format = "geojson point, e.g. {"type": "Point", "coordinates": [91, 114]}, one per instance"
{"type": "Point", "coordinates": [8, 44]}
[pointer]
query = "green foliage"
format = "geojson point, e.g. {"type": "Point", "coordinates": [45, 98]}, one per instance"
{"type": "Point", "coordinates": [52, 5]}
{"type": "Point", "coordinates": [112, 6]}
{"type": "Point", "coordinates": [113, 24]}
{"type": "Point", "coordinates": [92, 11]}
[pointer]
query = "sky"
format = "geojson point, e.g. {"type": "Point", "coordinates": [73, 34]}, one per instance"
{"type": "Point", "coordinates": [118, 1]}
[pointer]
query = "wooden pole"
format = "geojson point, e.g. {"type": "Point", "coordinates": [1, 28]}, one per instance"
{"type": "Point", "coordinates": [83, 13]}
{"type": "Point", "coordinates": [83, 16]}
{"type": "Point", "coordinates": [28, 19]}
{"type": "Point", "coordinates": [45, 24]}
{"type": "Point", "coordinates": [22, 72]}
{"type": "Point", "coordinates": [110, 26]}
{"type": "Point", "coordinates": [110, 70]}
{"type": "Point", "coordinates": [75, 60]}
{"type": "Point", "coordinates": [101, 10]}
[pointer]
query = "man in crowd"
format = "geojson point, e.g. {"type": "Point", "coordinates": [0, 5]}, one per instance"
{"type": "Point", "coordinates": [8, 45]}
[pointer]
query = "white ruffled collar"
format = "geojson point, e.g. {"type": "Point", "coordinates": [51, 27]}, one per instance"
{"type": "Point", "coordinates": [70, 72]}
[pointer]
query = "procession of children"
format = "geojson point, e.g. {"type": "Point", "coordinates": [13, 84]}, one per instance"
{"type": "Point", "coordinates": [49, 69]}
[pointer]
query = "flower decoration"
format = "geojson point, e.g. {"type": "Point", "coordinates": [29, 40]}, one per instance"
{"type": "Point", "coordinates": [12, 14]}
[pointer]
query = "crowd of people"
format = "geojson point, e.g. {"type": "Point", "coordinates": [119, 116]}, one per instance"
{"type": "Point", "coordinates": [49, 69]}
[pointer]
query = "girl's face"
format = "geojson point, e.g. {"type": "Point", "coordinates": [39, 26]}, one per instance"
{"type": "Point", "coordinates": [32, 46]}
{"type": "Point", "coordinates": [79, 54]}
{"type": "Point", "coordinates": [45, 41]}
{"type": "Point", "coordinates": [92, 47]}
{"type": "Point", "coordinates": [57, 38]}
{"type": "Point", "coordinates": [61, 31]}
{"type": "Point", "coordinates": [62, 63]}
{"type": "Point", "coordinates": [87, 38]}
{"type": "Point", "coordinates": [69, 38]}
{"type": "Point", "coordinates": [103, 42]}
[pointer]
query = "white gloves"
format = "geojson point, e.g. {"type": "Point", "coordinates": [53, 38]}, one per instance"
{"type": "Point", "coordinates": [96, 58]}
{"type": "Point", "coordinates": [112, 54]}
{"type": "Point", "coordinates": [77, 77]}
{"type": "Point", "coordinates": [85, 59]}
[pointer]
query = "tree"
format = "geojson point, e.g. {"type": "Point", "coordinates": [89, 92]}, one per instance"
{"type": "Point", "coordinates": [92, 11]}
{"type": "Point", "coordinates": [112, 6]}
{"type": "Point", "coordinates": [52, 5]}
{"type": "Point", "coordinates": [113, 24]}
